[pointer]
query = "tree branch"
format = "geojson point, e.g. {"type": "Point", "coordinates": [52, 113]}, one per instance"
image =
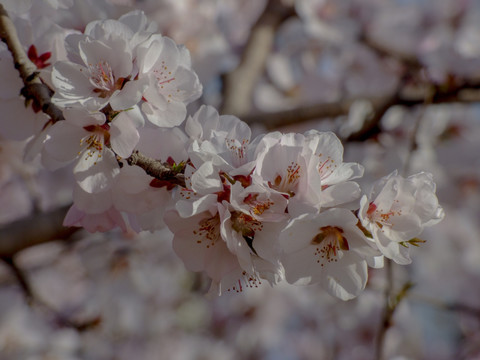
{"type": "Point", "coordinates": [32, 300]}
{"type": "Point", "coordinates": [156, 168]}
{"type": "Point", "coordinates": [41, 94]}
{"type": "Point", "coordinates": [34, 89]}
{"type": "Point", "coordinates": [239, 83]}
{"type": "Point", "coordinates": [404, 96]}
{"type": "Point", "coordinates": [9, 36]}
{"type": "Point", "coordinates": [33, 230]}
{"type": "Point", "coordinates": [391, 305]}
{"type": "Point", "coordinates": [466, 94]}
{"type": "Point", "coordinates": [278, 119]}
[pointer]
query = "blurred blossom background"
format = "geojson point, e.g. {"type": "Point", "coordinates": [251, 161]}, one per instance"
{"type": "Point", "coordinates": [397, 80]}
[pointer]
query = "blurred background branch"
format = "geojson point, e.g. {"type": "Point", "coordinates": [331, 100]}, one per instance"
{"type": "Point", "coordinates": [238, 84]}
{"type": "Point", "coordinates": [38, 228]}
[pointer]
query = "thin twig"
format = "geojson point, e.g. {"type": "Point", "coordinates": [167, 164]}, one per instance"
{"type": "Point", "coordinates": [390, 306]}
{"type": "Point", "coordinates": [34, 301]}
{"type": "Point", "coordinates": [156, 169]}
{"type": "Point", "coordinates": [386, 319]}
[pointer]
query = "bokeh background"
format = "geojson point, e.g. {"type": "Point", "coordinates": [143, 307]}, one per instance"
{"type": "Point", "coordinates": [397, 80]}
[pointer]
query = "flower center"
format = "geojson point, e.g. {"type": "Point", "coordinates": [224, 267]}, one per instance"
{"type": "Point", "coordinates": [327, 243]}
{"type": "Point", "coordinates": [326, 168]}
{"type": "Point", "coordinates": [248, 280]}
{"type": "Point", "coordinates": [246, 226]}
{"type": "Point", "coordinates": [257, 207]}
{"type": "Point", "coordinates": [238, 150]}
{"type": "Point", "coordinates": [288, 183]}
{"type": "Point", "coordinates": [103, 79]}
{"type": "Point", "coordinates": [379, 217]}
{"type": "Point", "coordinates": [164, 78]}
{"type": "Point", "coordinates": [208, 231]}
{"type": "Point", "coordinates": [96, 141]}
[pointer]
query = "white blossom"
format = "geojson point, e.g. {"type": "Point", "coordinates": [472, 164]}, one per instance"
{"type": "Point", "coordinates": [397, 210]}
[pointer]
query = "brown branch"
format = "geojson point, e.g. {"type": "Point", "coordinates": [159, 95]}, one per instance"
{"type": "Point", "coordinates": [34, 89]}
{"type": "Point", "coordinates": [239, 84]}
{"type": "Point", "coordinates": [462, 308]}
{"type": "Point", "coordinates": [467, 94]}
{"type": "Point", "coordinates": [156, 169]}
{"type": "Point", "coordinates": [33, 299]}
{"type": "Point", "coordinates": [409, 61]}
{"type": "Point", "coordinates": [278, 119]}
{"type": "Point", "coordinates": [33, 230]}
{"type": "Point", "coordinates": [9, 36]}
{"type": "Point", "coordinates": [41, 94]}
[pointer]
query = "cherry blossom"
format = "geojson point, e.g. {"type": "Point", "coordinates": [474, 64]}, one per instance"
{"type": "Point", "coordinates": [283, 213]}
{"type": "Point", "coordinates": [397, 210]}
{"type": "Point", "coordinates": [92, 141]}
{"type": "Point", "coordinates": [198, 243]}
{"type": "Point", "coordinates": [172, 83]}
{"type": "Point", "coordinates": [101, 69]}
{"type": "Point", "coordinates": [246, 211]}
{"type": "Point", "coordinates": [308, 169]}
{"type": "Point", "coordinates": [327, 248]}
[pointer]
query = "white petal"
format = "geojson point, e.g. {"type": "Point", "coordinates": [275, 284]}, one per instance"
{"type": "Point", "coordinates": [123, 135]}
{"type": "Point", "coordinates": [300, 267]}
{"type": "Point", "coordinates": [392, 250]}
{"type": "Point", "coordinates": [130, 94]}
{"type": "Point", "coordinates": [71, 82]}
{"type": "Point", "coordinates": [64, 143]}
{"type": "Point", "coordinates": [92, 203]}
{"type": "Point", "coordinates": [347, 279]}
{"type": "Point", "coordinates": [190, 208]}
{"type": "Point", "coordinates": [95, 174]}
{"type": "Point", "coordinates": [163, 113]}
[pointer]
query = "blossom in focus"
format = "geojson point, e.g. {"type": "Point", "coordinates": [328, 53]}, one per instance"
{"type": "Point", "coordinates": [329, 249]}
{"type": "Point", "coordinates": [93, 141]}
{"type": "Point", "coordinates": [397, 210]}
{"type": "Point", "coordinates": [308, 169]}
{"type": "Point", "coordinates": [101, 69]}
{"type": "Point", "coordinates": [222, 139]}
{"type": "Point", "coordinates": [172, 83]}
{"type": "Point", "coordinates": [197, 241]}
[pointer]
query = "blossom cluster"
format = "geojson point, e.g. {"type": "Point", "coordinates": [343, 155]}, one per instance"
{"type": "Point", "coordinates": [250, 210]}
